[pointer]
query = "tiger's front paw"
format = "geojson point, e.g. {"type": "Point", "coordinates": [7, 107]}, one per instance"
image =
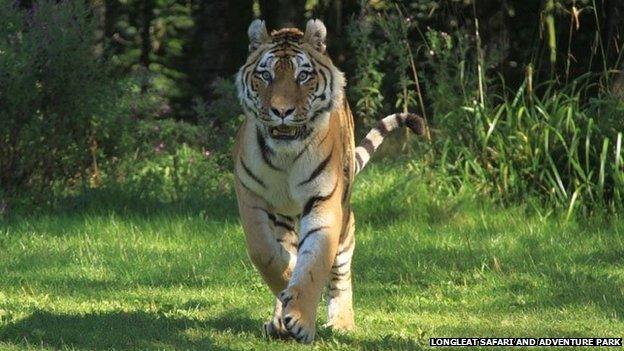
{"type": "Point", "coordinates": [274, 329]}
{"type": "Point", "coordinates": [300, 325]}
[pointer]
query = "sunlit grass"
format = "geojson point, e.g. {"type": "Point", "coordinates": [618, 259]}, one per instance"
{"type": "Point", "coordinates": [176, 276]}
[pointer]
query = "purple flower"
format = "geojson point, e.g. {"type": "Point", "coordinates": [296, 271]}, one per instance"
{"type": "Point", "coordinates": [165, 109]}
{"type": "Point", "coordinates": [159, 148]}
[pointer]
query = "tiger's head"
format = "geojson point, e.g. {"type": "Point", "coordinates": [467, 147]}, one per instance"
{"type": "Point", "coordinates": [289, 84]}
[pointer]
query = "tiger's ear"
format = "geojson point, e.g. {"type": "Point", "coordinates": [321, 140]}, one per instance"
{"type": "Point", "coordinates": [258, 34]}
{"type": "Point", "coordinates": [315, 34]}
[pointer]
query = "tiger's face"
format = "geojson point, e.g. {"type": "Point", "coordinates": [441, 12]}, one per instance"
{"type": "Point", "coordinates": [288, 83]}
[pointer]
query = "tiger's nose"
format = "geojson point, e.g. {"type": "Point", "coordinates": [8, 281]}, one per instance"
{"type": "Point", "coordinates": [282, 112]}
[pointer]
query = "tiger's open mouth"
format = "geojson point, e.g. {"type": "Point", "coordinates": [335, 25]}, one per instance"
{"type": "Point", "coordinates": [285, 132]}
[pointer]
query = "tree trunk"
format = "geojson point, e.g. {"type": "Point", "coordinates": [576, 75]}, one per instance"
{"type": "Point", "coordinates": [614, 11]}
{"type": "Point", "coordinates": [146, 45]}
{"type": "Point", "coordinates": [283, 13]}
{"type": "Point", "coordinates": [219, 42]}
{"type": "Point", "coordinates": [99, 14]}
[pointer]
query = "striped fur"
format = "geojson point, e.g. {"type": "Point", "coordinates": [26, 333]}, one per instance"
{"type": "Point", "coordinates": [376, 136]}
{"type": "Point", "coordinates": [296, 161]}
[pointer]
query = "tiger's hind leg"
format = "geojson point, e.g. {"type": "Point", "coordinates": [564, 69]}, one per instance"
{"type": "Point", "coordinates": [340, 302]}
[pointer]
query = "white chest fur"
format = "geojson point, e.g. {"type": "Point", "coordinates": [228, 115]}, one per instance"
{"type": "Point", "coordinates": [278, 174]}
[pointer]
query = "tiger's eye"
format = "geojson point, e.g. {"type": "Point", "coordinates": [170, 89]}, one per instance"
{"type": "Point", "coordinates": [302, 76]}
{"type": "Point", "coordinates": [266, 76]}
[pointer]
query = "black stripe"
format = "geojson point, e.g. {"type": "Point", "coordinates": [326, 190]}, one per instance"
{"type": "Point", "coordinates": [367, 144]}
{"type": "Point", "coordinates": [288, 218]}
{"type": "Point", "coordinates": [320, 168]}
{"type": "Point", "coordinates": [275, 221]}
{"type": "Point", "coordinates": [248, 92]}
{"type": "Point", "coordinates": [359, 160]}
{"type": "Point", "coordinates": [311, 231]}
{"type": "Point", "coordinates": [340, 265]}
{"type": "Point", "coordinates": [316, 97]}
{"type": "Point", "coordinates": [246, 186]}
{"type": "Point", "coordinates": [337, 275]}
{"type": "Point", "coordinates": [246, 86]}
{"type": "Point", "coordinates": [302, 151]}
{"type": "Point", "coordinates": [348, 247]}
{"type": "Point", "coordinates": [314, 200]}
{"type": "Point", "coordinates": [331, 76]}
{"type": "Point", "coordinates": [284, 225]}
{"type": "Point", "coordinates": [325, 137]}
{"type": "Point", "coordinates": [304, 133]}
{"type": "Point", "coordinates": [329, 106]}
{"type": "Point", "coordinates": [278, 223]}
{"type": "Point", "coordinates": [251, 175]}
{"type": "Point", "coordinates": [308, 144]}
{"type": "Point", "coordinates": [322, 110]}
{"type": "Point", "coordinates": [265, 150]}
{"type": "Point", "coordinates": [345, 194]}
{"type": "Point", "coordinates": [249, 64]}
{"type": "Point", "coordinates": [401, 117]}
{"type": "Point", "coordinates": [295, 245]}
{"type": "Point", "coordinates": [322, 73]}
{"type": "Point", "coordinates": [271, 217]}
{"type": "Point", "coordinates": [382, 129]}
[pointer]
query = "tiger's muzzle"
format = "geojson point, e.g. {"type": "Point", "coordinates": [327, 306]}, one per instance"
{"type": "Point", "coordinates": [285, 132]}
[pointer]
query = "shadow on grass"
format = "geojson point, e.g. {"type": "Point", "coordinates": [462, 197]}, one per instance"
{"type": "Point", "coordinates": [214, 206]}
{"type": "Point", "coordinates": [124, 330]}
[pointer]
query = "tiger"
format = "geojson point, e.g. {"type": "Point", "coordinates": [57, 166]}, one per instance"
{"type": "Point", "coordinates": [295, 161]}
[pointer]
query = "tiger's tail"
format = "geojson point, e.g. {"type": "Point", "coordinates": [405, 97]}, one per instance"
{"type": "Point", "coordinates": [376, 136]}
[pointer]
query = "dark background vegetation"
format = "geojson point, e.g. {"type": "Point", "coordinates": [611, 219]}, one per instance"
{"type": "Point", "coordinates": [118, 223]}
{"type": "Point", "coordinates": [524, 98]}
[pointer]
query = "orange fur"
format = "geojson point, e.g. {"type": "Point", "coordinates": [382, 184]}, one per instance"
{"type": "Point", "coordinates": [296, 160]}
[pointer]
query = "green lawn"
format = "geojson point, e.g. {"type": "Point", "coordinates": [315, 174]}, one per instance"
{"type": "Point", "coordinates": [145, 275]}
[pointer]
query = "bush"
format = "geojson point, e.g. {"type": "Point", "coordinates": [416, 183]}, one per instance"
{"type": "Point", "coordinates": [554, 147]}
{"type": "Point", "coordinates": [59, 108]}
{"type": "Point", "coordinates": [173, 173]}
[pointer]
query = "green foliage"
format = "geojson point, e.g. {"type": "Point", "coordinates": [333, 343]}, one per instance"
{"type": "Point", "coordinates": [553, 147]}
{"type": "Point", "coordinates": [56, 99]}
{"type": "Point", "coordinates": [169, 31]}
{"type": "Point", "coordinates": [172, 173]}
{"type": "Point", "coordinates": [221, 116]}
{"type": "Point", "coordinates": [170, 161]}
{"type": "Point", "coordinates": [395, 28]}
{"type": "Point", "coordinates": [558, 143]}
{"type": "Point", "coordinates": [74, 118]}
{"type": "Point", "coordinates": [120, 272]}
{"type": "Point", "coordinates": [450, 80]}
{"type": "Point", "coordinates": [366, 88]}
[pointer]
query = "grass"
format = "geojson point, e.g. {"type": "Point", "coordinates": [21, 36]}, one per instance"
{"type": "Point", "coordinates": [559, 146]}
{"type": "Point", "coordinates": [116, 273]}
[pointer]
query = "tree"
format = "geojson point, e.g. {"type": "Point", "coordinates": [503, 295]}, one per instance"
{"type": "Point", "coordinates": [219, 42]}
{"type": "Point", "coordinates": [283, 13]}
